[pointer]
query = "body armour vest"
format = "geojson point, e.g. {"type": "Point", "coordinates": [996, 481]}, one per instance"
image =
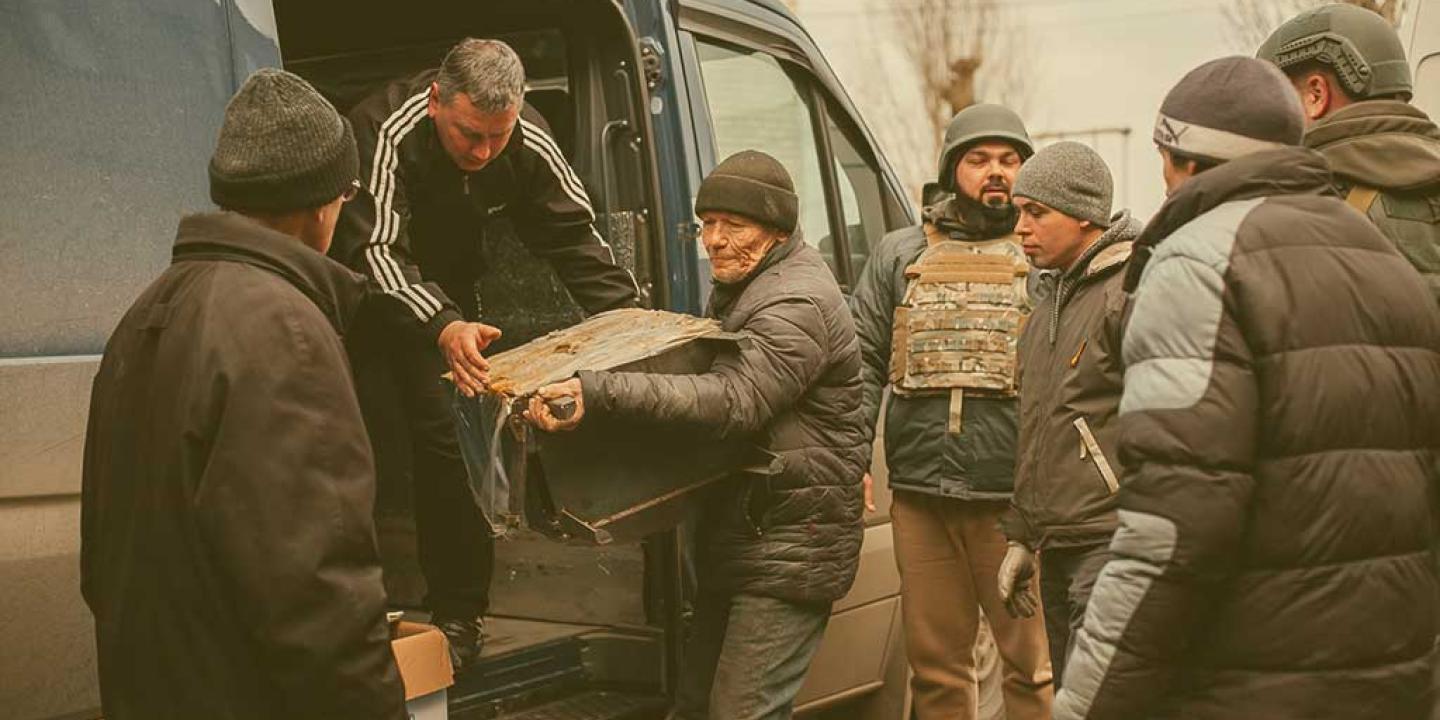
{"type": "Point", "coordinates": [957, 331]}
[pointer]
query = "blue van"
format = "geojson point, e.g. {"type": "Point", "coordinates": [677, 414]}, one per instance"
{"type": "Point", "coordinates": [111, 109]}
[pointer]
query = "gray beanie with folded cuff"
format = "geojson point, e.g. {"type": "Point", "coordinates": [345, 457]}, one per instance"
{"type": "Point", "coordinates": [1071, 178]}
{"type": "Point", "coordinates": [282, 147]}
{"type": "Point", "coordinates": [1229, 108]}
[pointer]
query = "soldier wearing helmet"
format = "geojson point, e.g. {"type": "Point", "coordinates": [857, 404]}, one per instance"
{"type": "Point", "coordinates": [938, 310]}
{"type": "Point", "coordinates": [1350, 70]}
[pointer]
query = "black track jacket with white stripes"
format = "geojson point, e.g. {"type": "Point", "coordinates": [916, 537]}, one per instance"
{"type": "Point", "coordinates": [420, 221]}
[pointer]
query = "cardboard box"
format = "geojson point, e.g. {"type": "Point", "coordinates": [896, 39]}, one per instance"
{"type": "Point", "coordinates": [424, 661]}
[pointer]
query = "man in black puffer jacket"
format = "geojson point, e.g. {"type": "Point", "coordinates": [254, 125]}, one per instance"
{"type": "Point", "coordinates": [775, 550]}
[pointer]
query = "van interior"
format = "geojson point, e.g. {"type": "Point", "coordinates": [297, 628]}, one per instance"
{"type": "Point", "coordinates": [572, 630]}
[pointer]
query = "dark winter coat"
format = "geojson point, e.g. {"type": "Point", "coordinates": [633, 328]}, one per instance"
{"type": "Point", "coordinates": [227, 545]}
{"type": "Point", "coordinates": [1279, 432]}
{"type": "Point", "coordinates": [1070, 371]}
{"type": "Point", "coordinates": [1392, 147]}
{"type": "Point", "coordinates": [977, 464]}
{"type": "Point", "coordinates": [795, 387]}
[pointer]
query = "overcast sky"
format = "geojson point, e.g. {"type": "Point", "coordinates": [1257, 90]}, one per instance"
{"type": "Point", "coordinates": [1097, 64]}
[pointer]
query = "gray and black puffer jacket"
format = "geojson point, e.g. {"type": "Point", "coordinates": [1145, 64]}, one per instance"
{"type": "Point", "coordinates": [795, 387]}
{"type": "Point", "coordinates": [978, 464]}
{"type": "Point", "coordinates": [1279, 431]}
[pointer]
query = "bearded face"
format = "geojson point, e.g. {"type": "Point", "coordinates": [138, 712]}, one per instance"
{"type": "Point", "coordinates": [986, 173]}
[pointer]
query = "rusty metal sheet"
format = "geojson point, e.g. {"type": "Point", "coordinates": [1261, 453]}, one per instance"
{"type": "Point", "coordinates": [611, 479]}
{"type": "Point", "coordinates": [603, 342]}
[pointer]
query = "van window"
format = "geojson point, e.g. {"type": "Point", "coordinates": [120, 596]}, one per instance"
{"type": "Point", "coordinates": [861, 196]}
{"type": "Point", "coordinates": [755, 105]}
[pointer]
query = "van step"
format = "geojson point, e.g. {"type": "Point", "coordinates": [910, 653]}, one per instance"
{"type": "Point", "coordinates": [598, 705]}
{"type": "Point", "coordinates": [539, 673]}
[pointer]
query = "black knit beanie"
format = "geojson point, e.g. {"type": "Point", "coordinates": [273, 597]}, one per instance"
{"type": "Point", "coordinates": [282, 147]}
{"type": "Point", "coordinates": [753, 185]}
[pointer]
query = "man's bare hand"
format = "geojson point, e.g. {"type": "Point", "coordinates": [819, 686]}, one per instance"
{"type": "Point", "coordinates": [461, 343]}
{"type": "Point", "coordinates": [869, 493]}
{"type": "Point", "coordinates": [539, 413]}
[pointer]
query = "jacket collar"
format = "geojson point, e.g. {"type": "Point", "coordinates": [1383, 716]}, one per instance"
{"type": "Point", "coordinates": [1385, 144]}
{"type": "Point", "coordinates": [229, 236]}
{"type": "Point", "coordinates": [723, 295]}
{"type": "Point", "coordinates": [1110, 250]}
{"type": "Point", "coordinates": [1108, 253]}
{"type": "Point", "coordinates": [1284, 171]}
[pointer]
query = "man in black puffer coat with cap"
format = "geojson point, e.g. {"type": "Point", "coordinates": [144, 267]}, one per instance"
{"type": "Point", "coordinates": [776, 550]}
{"type": "Point", "coordinates": [1279, 431]}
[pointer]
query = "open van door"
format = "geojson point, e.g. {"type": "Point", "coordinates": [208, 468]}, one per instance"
{"type": "Point", "coordinates": [572, 629]}
{"type": "Point", "coordinates": [1421, 31]}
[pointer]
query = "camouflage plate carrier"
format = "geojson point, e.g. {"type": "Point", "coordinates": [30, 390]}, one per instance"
{"type": "Point", "coordinates": [958, 329]}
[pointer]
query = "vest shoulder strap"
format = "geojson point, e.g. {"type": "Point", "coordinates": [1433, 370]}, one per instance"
{"type": "Point", "coordinates": [1361, 198]}
{"type": "Point", "coordinates": [933, 235]}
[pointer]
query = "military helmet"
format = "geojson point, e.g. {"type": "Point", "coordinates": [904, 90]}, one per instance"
{"type": "Point", "coordinates": [985, 121]}
{"type": "Point", "coordinates": [1358, 45]}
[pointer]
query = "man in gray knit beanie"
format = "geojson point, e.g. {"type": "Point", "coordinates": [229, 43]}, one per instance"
{"type": "Point", "coordinates": [229, 484]}
{"type": "Point", "coordinates": [1071, 382]}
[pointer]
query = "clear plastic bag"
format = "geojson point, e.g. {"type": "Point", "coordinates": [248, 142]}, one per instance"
{"type": "Point", "coordinates": [482, 427]}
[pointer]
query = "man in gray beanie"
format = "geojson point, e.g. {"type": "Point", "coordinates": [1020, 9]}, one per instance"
{"type": "Point", "coordinates": [1064, 502]}
{"type": "Point", "coordinates": [227, 541]}
{"type": "Point", "coordinates": [1278, 435]}
{"type": "Point", "coordinates": [774, 549]}
{"type": "Point", "coordinates": [945, 349]}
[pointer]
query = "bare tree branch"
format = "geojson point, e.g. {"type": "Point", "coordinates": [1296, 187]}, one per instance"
{"type": "Point", "coordinates": [1251, 21]}
{"type": "Point", "coordinates": [960, 52]}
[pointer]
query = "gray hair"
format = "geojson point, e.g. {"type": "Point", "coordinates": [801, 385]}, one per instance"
{"type": "Point", "coordinates": [487, 71]}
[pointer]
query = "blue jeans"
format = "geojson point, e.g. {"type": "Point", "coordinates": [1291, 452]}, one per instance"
{"type": "Point", "coordinates": [747, 657]}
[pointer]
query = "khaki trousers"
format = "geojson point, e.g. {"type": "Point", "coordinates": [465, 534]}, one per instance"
{"type": "Point", "coordinates": [949, 554]}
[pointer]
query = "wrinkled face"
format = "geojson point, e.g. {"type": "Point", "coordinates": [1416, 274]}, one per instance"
{"type": "Point", "coordinates": [470, 137]}
{"type": "Point", "coordinates": [986, 172]}
{"type": "Point", "coordinates": [735, 244]}
{"type": "Point", "coordinates": [1051, 239]}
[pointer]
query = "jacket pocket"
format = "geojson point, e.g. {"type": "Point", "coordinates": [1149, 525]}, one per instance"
{"type": "Point", "coordinates": [1090, 450]}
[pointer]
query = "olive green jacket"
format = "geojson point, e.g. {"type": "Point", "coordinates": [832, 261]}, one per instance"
{"type": "Point", "coordinates": [1393, 148]}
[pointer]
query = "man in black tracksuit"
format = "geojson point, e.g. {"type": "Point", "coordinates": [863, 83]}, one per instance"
{"type": "Point", "coordinates": [443, 155]}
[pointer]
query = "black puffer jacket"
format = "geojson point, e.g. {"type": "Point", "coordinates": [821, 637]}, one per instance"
{"type": "Point", "coordinates": [795, 387]}
{"type": "Point", "coordinates": [1279, 431]}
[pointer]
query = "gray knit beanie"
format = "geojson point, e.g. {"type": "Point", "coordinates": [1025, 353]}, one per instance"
{"type": "Point", "coordinates": [753, 185]}
{"type": "Point", "coordinates": [1230, 107]}
{"type": "Point", "coordinates": [1071, 178]}
{"type": "Point", "coordinates": [282, 147]}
